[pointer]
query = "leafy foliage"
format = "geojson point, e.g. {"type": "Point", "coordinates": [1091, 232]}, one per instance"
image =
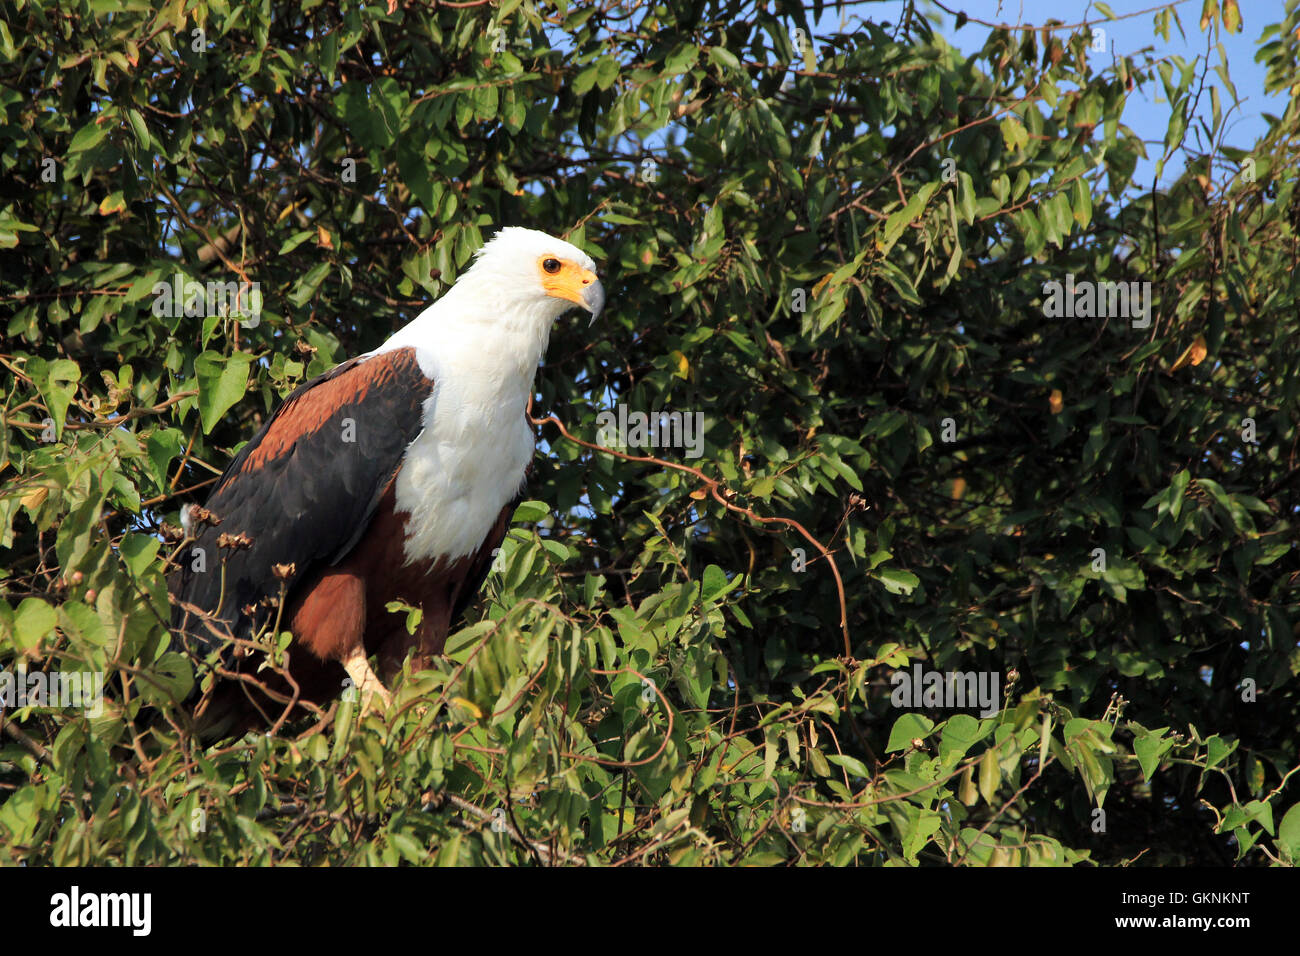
{"type": "Point", "coordinates": [841, 254]}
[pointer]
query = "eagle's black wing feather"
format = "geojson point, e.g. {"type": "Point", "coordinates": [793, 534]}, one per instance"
{"type": "Point", "coordinates": [303, 491]}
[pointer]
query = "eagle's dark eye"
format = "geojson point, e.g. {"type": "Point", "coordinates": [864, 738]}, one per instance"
{"type": "Point", "coordinates": [551, 265]}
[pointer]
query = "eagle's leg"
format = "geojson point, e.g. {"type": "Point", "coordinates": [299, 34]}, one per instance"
{"type": "Point", "coordinates": [329, 621]}
{"type": "Point", "coordinates": [398, 646]}
{"type": "Point", "coordinates": [364, 679]}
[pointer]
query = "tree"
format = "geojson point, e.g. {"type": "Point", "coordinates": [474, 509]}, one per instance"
{"type": "Point", "coordinates": [903, 295]}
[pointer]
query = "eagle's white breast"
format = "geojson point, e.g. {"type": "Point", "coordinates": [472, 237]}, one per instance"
{"type": "Point", "coordinates": [469, 461]}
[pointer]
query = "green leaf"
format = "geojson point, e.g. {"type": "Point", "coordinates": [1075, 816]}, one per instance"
{"type": "Point", "coordinates": [606, 72]}
{"type": "Point", "coordinates": [34, 620]}
{"type": "Point", "coordinates": [1014, 133]}
{"type": "Point", "coordinates": [960, 732]}
{"type": "Point", "coordinates": [990, 775]}
{"type": "Point", "coordinates": [88, 137]}
{"type": "Point", "coordinates": [139, 128]}
{"type": "Point", "coordinates": [1288, 832]}
{"type": "Point", "coordinates": [854, 766]}
{"type": "Point", "coordinates": [1217, 749]}
{"type": "Point", "coordinates": [305, 288]}
{"type": "Point", "coordinates": [138, 552]}
{"type": "Point", "coordinates": [586, 78]}
{"type": "Point", "coordinates": [58, 381]}
{"type": "Point", "coordinates": [897, 581]}
{"type": "Point", "coordinates": [715, 583]}
{"type": "Point", "coordinates": [722, 57]}
{"type": "Point", "coordinates": [1150, 747]}
{"type": "Point", "coordinates": [222, 382]}
{"type": "Point", "coordinates": [907, 728]}
{"type": "Point", "coordinates": [528, 512]}
{"type": "Point", "coordinates": [170, 678]}
{"type": "Point", "coordinates": [685, 57]}
{"type": "Point", "coordinates": [294, 241]}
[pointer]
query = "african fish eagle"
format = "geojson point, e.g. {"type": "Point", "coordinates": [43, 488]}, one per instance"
{"type": "Point", "coordinates": [389, 478]}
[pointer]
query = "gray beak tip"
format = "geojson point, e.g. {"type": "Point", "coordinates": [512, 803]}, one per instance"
{"type": "Point", "coordinates": [594, 301]}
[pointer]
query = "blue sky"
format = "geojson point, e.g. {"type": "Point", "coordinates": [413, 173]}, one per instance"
{"type": "Point", "coordinates": [1147, 112]}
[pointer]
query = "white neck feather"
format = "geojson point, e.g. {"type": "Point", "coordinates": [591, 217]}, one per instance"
{"type": "Point", "coordinates": [479, 325]}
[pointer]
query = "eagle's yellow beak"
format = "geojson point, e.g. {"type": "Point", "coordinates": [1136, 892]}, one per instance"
{"type": "Point", "coordinates": [593, 300]}
{"type": "Point", "coordinates": [570, 281]}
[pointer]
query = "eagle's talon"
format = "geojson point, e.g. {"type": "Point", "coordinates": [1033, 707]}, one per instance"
{"type": "Point", "coordinates": [367, 684]}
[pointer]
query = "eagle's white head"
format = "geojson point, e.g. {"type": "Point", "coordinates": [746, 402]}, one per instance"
{"type": "Point", "coordinates": [520, 282]}
{"type": "Point", "coordinates": [534, 267]}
